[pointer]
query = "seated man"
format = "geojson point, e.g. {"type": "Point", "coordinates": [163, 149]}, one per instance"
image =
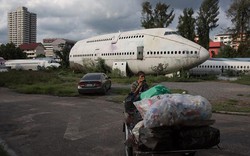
{"type": "Point", "coordinates": [138, 86]}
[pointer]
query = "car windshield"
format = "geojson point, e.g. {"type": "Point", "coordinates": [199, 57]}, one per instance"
{"type": "Point", "coordinates": [92, 77]}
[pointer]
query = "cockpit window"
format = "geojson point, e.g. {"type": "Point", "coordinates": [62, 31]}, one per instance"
{"type": "Point", "coordinates": [171, 33]}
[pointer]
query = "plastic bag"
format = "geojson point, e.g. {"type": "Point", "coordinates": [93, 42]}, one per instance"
{"type": "Point", "coordinates": [143, 105]}
{"type": "Point", "coordinates": [156, 90]}
{"type": "Point", "coordinates": [173, 109]}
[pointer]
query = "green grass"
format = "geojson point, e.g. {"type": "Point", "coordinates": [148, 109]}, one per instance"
{"type": "Point", "coordinates": [64, 83]}
{"type": "Point", "coordinates": [245, 79]}
{"type": "Point", "coordinates": [60, 83]}
{"type": "Point", "coordinates": [230, 105]}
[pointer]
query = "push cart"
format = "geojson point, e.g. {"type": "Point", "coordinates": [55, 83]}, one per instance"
{"type": "Point", "coordinates": [184, 139]}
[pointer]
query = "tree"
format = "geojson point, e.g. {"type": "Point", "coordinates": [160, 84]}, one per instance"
{"type": "Point", "coordinates": [239, 12]}
{"type": "Point", "coordinates": [226, 52]}
{"type": "Point", "coordinates": [186, 24]}
{"type": "Point", "coordinates": [157, 18]}
{"type": "Point", "coordinates": [207, 20]}
{"type": "Point", "coordinates": [9, 51]}
{"type": "Point", "coordinates": [64, 54]}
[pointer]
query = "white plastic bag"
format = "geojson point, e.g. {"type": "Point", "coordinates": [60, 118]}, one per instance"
{"type": "Point", "coordinates": [173, 109]}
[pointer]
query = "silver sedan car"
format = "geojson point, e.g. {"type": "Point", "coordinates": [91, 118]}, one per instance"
{"type": "Point", "coordinates": [94, 83]}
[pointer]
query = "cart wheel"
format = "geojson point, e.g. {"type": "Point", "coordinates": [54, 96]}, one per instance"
{"type": "Point", "coordinates": [189, 154]}
{"type": "Point", "coordinates": [128, 150]}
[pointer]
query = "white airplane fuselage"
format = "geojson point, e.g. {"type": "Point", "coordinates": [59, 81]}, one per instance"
{"type": "Point", "coordinates": [145, 50]}
{"type": "Point", "coordinates": [218, 66]}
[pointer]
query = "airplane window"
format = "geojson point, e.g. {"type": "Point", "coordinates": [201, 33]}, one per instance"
{"type": "Point", "coordinates": [164, 52]}
{"type": "Point", "coordinates": [122, 63]}
{"type": "Point", "coordinates": [154, 52]}
{"type": "Point", "coordinates": [127, 53]}
{"type": "Point", "coordinates": [191, 52]}
{"type": "Point", "coordinates": [167, 33]}
{"type": "Point", "coordinates": [168, 52]}
{"type": "Point", "coordinates": [237, 66]}
{"type": "Point", "coordinates": [133, 53]}
{"type": "Point", "coordinates": [151, 52]}
{"type": "Point", "coordinates": [175, 52]}
{"type": "Point", "coordinates": [196, 52]}
{"type": "Point", "coordinates": [183, 52]}
{"type": "Point", "coordinates": [170, 33]}
{"type": "Point", "coordinates": [161, 52]}
{"type": "Point", "coordinates": [187, 52]}
{"type": "Point", "coordinates": [142, 36]}
{"type": "Point", "coordinates": [130, 53]}
{"type": "Point", "coordinates": [139, 36]}
{"type": "Point", "coordinates": [115, 63]}
{"type": "Point", "coordinates": [148, 53]}
{"type": "Point", "coordinates": [241, 67]}
{"type": "Point", "coordinates": [179, 52]}
{"type": "Point", "coordinates": [172, 52]}
{"type": "Point", "coordinates": [157, 52]}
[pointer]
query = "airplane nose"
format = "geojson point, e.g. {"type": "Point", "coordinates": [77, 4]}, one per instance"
{"type": "Point", "coordinates": [204, 54]}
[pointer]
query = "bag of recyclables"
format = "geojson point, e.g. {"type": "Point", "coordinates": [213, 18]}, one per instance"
{"type": "Point", "coordinates": [173, 109]}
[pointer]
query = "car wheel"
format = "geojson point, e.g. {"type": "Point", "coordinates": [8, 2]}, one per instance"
{"type": "Point", "coordinates": [109, 86]}
{"type": "Point", "coordinates": [104, 90]}
{"type": "Point", "coordinates": [80, 93]}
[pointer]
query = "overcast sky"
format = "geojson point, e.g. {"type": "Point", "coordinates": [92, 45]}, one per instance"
{"type": "Point", "coordinates": [79, 19]}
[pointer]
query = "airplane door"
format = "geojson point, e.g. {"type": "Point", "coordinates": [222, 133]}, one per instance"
{"type": "Point", "coordinates": [96, 54]}
{"type": "Point", "coordinates": [140, 52]}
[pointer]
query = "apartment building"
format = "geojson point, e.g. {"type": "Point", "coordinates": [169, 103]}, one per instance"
{"type": "Point", "coordinates": [22, 26]}
{"type": "Point", "coordinates": [228, 39]}
{"type": "Point", "coordinates": [54, 44]}
{"type": "Point", "coordinates": [225, 39]}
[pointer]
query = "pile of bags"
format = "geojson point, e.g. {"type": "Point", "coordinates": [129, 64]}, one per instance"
{"type": "Point", "coordinates": [162, 110]}
{"type": "Point", "coordinates": [173, 109]}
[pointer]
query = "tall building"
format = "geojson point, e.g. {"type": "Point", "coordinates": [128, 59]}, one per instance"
{"type": "Point", "coordinates": [22, 26]}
